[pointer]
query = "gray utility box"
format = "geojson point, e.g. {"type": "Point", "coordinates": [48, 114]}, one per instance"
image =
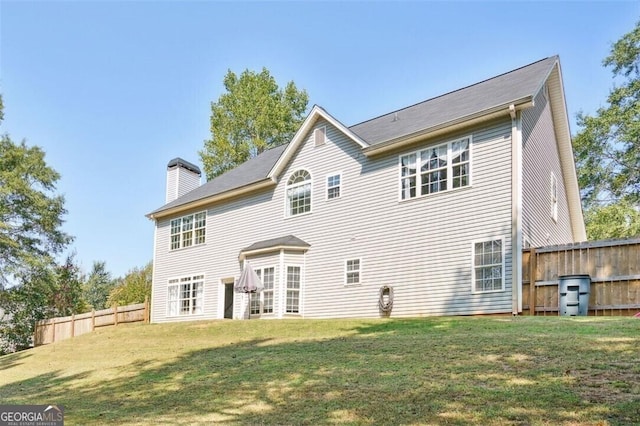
{"type": "Point", "coordinates": [574, 294]}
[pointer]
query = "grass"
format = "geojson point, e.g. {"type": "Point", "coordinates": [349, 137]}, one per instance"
{"type": "Point", "coordinates": [434, 371]}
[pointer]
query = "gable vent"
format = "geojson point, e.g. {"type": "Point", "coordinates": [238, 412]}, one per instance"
{"type": "Point", "coordinates": [319, 136]}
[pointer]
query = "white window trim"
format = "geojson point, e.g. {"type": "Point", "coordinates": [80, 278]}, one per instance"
{"type": "Point", "coordinates": [327, 187]}
{"type": "Point", "coordinates": [261, 294]}
{"type": "Point", "coordinates": [287, 212]}
{"type": "Point", "coordinates": [285, 274]}
{"type": "Point", "coordinates": [553, 194]}
{"type": "Point", "coordinates": [178, 278]}
{"type": "Point", "coordinates": [450, 187]}
{"type": "Point", "coordinates": [317, 131]}
{"type": "Point", "coordinates": [193, 231]}
{"type": "Point", "coordinates": [473, 265]}
{"type": "Point", "coordinates": [346, 283]}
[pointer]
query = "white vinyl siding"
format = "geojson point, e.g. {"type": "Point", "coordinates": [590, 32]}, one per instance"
{"type": "Point", "coordinates": [435, 169]}
{"type": "Point", "coordinates": [540, 159]}
{"type": "Point", "coordinates": [420, 248]}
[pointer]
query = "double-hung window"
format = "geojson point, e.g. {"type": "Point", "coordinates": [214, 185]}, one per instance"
{"type": "Point", "coordinates": [185, 296]}
{"type": "Point", "coordinates": [435, 169]}
{"type": "Point", "coordinates": [299, 193]}
{"type": "Point", "coordinates": [352, 269]}
{"type": "Point", "coordinates": [333, 186]}
{"type": "Point", "coordinates": [488, 266]}
{"type": "Point", "coordinates": [292, 305]}
{"type": "Point", "coordinates": [262, 302]}
{"type": "Point", "coordinates": [188, 230]}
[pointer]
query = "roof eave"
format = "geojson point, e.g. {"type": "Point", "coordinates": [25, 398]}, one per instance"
{"type": "Point", "coordinates": [449, 126]}
{"type": "Point", "coordinates": [212, 199]}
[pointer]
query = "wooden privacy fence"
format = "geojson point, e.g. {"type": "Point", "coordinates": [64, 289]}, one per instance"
{"type": "Point", "coordinates": [60, 328]}
{"type": "Point", "coordinates": [614, 268]}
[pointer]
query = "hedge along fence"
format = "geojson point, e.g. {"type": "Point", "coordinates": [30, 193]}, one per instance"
{"type": "Point", "coordinates": [614, 268]}
{"type": "Point", "coordinates": [55, 329]}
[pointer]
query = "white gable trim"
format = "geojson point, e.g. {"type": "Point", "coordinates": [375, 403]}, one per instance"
{"type": "Point", "coordinates": [298, 138]}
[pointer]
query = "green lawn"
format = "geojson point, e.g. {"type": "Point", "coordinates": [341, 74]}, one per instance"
{"type": "Point", "coordinates": [459, 371]}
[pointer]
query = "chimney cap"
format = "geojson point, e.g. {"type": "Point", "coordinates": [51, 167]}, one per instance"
{"type": "Point", "coordinates": [179, 162]}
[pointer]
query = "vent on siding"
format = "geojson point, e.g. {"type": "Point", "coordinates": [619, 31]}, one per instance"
{"type": "Point", "coordinates": [319, 136]}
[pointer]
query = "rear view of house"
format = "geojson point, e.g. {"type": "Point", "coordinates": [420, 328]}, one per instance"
{"type": "Point", "coordinates": [435, 200]}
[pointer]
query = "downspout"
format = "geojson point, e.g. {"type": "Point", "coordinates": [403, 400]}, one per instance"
{"type": "Point", "coordinates": [516, 210]}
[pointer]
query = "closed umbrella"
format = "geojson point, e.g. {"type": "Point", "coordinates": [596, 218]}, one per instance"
{"type": "Point", "coordinates": [248, 283]}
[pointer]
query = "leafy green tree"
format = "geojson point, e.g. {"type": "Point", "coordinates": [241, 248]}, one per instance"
{"type": "Point", "coordinates": [43, 291]}
{"type": "Point", "coordinates": [253, 115]}
{"type": "Point", "coordinates": [30, 211]}
{"type": "Point", "coordinates": [135, 287]}
{"type": "Point", "coordinates": [98, 286]}
{"type": "Point", "coordinates": [607, 148]}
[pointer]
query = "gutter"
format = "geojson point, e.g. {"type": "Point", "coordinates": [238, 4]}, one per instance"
{"type": "Point", "coordinates": [446, 127]}
{"type": "Point", "coordinates": [213, 198]}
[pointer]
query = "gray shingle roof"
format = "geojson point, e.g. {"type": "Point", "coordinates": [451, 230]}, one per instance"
{"type": "Point", "coordinates": [251, 171]}
{"type": "Point", "coordinates": [503, 89]}
{"type": "Point", "coordinates": [483, 96]}
{"type": "Point", "coordinates": [289, 241]}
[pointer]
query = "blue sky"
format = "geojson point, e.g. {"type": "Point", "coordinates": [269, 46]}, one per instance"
{"type": "Point", "coordinates": [114, 90]}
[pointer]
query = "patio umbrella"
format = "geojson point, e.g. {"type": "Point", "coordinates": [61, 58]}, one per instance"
{"type": "Point", "coordinates": [248, 283]}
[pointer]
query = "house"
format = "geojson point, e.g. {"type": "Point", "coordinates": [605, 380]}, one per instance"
{"type": "Point", "coordinates": [435, 201]}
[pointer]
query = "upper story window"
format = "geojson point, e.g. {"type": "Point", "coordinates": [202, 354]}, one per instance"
{"type": "Point", "coordinates": [299, 193]}
{"type": "Point", "coordinates": [435, 169]}
{"type": "Point", "coordinates": [333, 186]}
{"type": "Point", "coordinates": [554, 197]}
{"type": "Point", "coordinates": [188, 230]}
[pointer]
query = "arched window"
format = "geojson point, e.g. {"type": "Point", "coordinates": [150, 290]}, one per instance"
{"type": "Point", "coordinates": [299, 193]}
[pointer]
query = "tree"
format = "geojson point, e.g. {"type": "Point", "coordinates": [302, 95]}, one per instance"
{"type": "Point", "coordinates": [43, 291]}
{"type": "Point", "coordinates": [98, 286]}
{"type": "Point", "coordinates": [252, 116]}
{"type": "Point", "coordinates": [607, 147]}
{"type": "Point", "coordinates": [135, 287]}
{"type": "Point", "coordinates": [30, 212]}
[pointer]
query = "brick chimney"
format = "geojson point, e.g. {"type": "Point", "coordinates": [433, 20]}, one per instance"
{"type": "Point", "coordinates": [182, 177]}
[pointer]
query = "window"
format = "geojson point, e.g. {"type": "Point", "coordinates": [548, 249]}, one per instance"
{"type": "Point", "coordinates": [188, 230]}
{"type": "Point", "coordinates": [185, 296]}
{"type": "Point", "coordinates": [352, 271]}
{"type": "Point", "coordinates": [441, 168]}
{"type": "Point", "coordinates": [293, 290]}
{"type": "Point", "coordinates": [319, 136]}
{"type": "Point", "coordinates": [488, 266]}
{"type": "Point", "coordinates": [262, 302]}
{"type": "Point", "coordinates": [299, 193]}
{"type": "Point", "coordinates": [333, 186]}
{"type": "Point", "coordinates": [554, 197]}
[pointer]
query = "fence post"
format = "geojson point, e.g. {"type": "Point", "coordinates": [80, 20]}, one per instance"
{"type": "Point", "coordinates": [73, 325]}
{"type": "Point", "coordinates": [533, 268]}
{"type": "Point", "coordinates": [146, 309]}
{"type": "Point", "coordinates": [53, 337]}
{"type": "Point", "coordinates": [115, 314]}
{"type": "Point", "coordinates": [35, 335]}
{"type": "Point", "coordinates": [93, 319]}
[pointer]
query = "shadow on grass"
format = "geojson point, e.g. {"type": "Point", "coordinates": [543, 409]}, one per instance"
{"type": "Point", "coordinates": [12, 360]}
{"type": "Point", "coordinates": [394, 372]}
